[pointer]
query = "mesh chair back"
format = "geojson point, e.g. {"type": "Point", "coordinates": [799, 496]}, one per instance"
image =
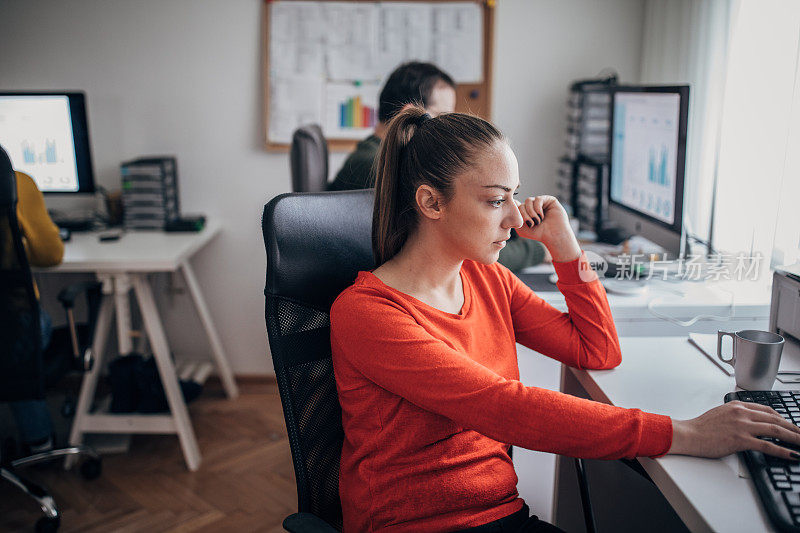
{"type": "Point", "coordinates": [20, 338]}
{"type": "Point", "coordinates": [309, 159]}
{"type": "Point", "coordinates": [316, 244]}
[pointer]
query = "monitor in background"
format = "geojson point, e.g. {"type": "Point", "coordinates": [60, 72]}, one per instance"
{"type": "Point", "coordinates": [46, 136]}
{"type": "Point", "coordinates": [647, 163]}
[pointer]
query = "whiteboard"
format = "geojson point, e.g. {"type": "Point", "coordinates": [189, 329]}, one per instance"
{"type": "Point", "coordinates": [328, 60]}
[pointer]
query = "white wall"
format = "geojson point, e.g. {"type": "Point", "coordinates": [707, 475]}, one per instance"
{"type": "Point", "coordinates": [183, 77]}
{"type": "Point", "coordinates": [540, 47]}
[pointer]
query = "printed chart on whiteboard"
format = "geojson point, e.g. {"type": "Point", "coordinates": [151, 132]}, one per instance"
{"type": "Point", "coordinates": [328, 60]}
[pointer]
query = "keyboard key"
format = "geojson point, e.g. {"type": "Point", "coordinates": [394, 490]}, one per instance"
{"type": "Point", "coordinates": [784, 475]}
{"type": "Point", "coordinates": [792, 498]}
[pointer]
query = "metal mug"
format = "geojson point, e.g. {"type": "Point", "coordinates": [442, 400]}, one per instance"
{"type": "Point", "coordinates": [755, 358]}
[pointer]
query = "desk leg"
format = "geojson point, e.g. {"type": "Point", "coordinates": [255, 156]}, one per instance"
{"type": "Point", "coordinates": [89, 383]}
{"type": "Point", "coordinates": [158, 341]}
{"type": "Point", "coordinates": [557, 478]}
{"type": "Point", "coordinates": [223, 368]}
{"type": "Point", "coordinates": [122, 304]}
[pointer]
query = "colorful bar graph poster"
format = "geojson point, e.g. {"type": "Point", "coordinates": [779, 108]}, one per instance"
{"type": "Point", "coordinates": [351, 109]}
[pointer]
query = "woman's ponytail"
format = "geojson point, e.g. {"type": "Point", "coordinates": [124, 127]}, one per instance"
{"type": "Point", "coordinates": [390, 219]}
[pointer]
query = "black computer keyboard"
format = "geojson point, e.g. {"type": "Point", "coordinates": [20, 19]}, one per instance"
{"type": "Point", "coordinates": [777, 480]}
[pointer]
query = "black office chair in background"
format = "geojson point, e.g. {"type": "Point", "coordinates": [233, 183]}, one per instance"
{"type": "Point", "coordinates": [309, 159]}
{"type": "Point", "coordinates": [316, 244]}
{"type": "Point", "coordinates": [25, 370]}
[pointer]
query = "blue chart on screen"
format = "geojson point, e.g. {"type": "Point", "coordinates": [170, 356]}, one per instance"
{"type": "Point", "coordinates": [36, 131]}
{"type": "Point", "coordinates": [645, 153]}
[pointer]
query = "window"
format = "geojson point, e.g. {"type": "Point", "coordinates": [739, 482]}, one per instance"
{"type": "Point", "coordinates": [758, 179]}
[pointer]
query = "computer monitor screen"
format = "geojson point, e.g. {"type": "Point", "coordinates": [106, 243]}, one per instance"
{"type": "Point", "coordinates": [647, 163]}
{"type": "Point", "coordinates": [46, 136]}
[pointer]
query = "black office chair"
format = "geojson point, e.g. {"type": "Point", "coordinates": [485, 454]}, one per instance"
{"type": "Point", "coordinates": [309, 159]}
{"type": "Point", "coordinates": [316, 244]}
{"type": "Point", "coordinates": [25, 371]}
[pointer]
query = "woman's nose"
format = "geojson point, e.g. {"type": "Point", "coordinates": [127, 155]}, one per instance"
{"type": "Point", "coordinates": [513, 219]}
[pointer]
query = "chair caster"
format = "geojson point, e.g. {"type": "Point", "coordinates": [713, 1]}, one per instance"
{"type": "Point", "coordinates": [8, 452]}
{"type": "Point", "coordinates": [91, 468]}
{"type": "Point", "coordinates": [68, 408]}
{"type": "Point", "coordinates": [47, 524]}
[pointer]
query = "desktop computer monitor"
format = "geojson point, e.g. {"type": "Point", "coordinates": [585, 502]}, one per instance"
{"type": "Point", "coordinates": [46, 136]}
{"type": "Point", "coordinates": [647, 162]}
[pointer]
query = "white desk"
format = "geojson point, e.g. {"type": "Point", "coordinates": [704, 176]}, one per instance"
{"type": "Point", "coordinates": [122, 266]}
{"type": "Point", "coordinates": [537, 470]}
{"type": "Point", "coordinates": [684, 301]}
{"type": "Point", "coordinates": [669, 376]}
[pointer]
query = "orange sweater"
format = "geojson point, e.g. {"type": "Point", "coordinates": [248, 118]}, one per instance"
{"type": "Point", "coordinates": [431, 400]}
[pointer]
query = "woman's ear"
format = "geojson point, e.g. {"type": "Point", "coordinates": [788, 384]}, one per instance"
{"type": "Point", "coordinates": [429, 202]}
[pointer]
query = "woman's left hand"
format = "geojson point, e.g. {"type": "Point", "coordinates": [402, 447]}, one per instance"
{"type": "Point", "coordinates": [545, 220]}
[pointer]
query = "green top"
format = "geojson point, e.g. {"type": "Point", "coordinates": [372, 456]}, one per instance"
{"type": "Point", "coordinates": [356, 173]}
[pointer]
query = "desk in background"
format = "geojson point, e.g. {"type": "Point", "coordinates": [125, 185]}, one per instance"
{"type": "Point", "coordinates": [123, 266]}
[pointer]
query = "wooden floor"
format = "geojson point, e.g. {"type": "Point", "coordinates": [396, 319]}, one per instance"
{"type": "Point", "coordinates": [245, 482]}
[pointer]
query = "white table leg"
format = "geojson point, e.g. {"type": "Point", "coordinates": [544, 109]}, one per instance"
{"type": "Point", "coordinates": [89, 383]}
{"type": "Point", "coordinates": [122, 287]}
{"type": "Point", "coordinates": [223, 368]}
{"type": "Point", "coordinates": [158, 341]}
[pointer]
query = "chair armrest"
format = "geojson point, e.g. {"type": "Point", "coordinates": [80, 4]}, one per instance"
{"type": "Point", "coordinates": [307, 523]}
{"type": "Point", "coordinates": [70, 292]}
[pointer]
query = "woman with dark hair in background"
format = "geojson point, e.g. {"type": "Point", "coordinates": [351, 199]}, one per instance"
{"type": "Point", "coordinates": [424, 347]}
{"type": "Point", "coordinates": [427, 85]}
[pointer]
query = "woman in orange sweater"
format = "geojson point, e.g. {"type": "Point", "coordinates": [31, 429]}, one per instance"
{"type": "Point", "coordinates": [424, 347]}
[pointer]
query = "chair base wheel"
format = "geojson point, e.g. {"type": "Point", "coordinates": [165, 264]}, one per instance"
{"type": "Point", "coordinates": [91, 468]}
{"type": "Point", "coordinates": [47, 524]}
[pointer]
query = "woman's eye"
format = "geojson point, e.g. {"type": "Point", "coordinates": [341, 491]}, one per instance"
{"type": "Point", "coordinates": [496, 203]}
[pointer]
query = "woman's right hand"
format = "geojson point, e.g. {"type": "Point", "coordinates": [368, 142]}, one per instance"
{"type": "Point", "coordinates": [734, 427]}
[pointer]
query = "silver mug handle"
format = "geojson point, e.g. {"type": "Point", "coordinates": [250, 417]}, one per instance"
{"type": "Point", "coordinates": [732, 360]}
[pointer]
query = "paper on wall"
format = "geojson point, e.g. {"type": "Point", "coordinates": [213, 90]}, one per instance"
{"type": "Point", "coordinates": [294, 101]}
{"type": "Point", "coordinates": [458, 40]}
{"type": "Point", "coordinates": [404, 33]}
{"type": "Point", "coordinates": [297, 33]}
{"type": "Point", "coordinates": [350, 40]}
